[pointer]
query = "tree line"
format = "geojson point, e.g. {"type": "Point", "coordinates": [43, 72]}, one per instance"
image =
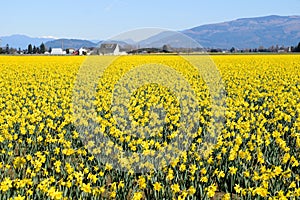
{"type": "Point", "coordinates": [31, 49]}
{"type": "Point", "coordinates": [297, 48]}
{"type": "Point", "coordinates": [274, 49]}
{"type": "Point", "coordinates": [36, 50]}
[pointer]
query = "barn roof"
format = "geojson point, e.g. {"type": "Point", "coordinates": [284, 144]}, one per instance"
{"type": "Point", "coordinates": [108, 48]}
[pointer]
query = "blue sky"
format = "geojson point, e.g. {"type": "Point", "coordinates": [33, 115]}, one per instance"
{"type": "Point", "coordinates": [101, 19]}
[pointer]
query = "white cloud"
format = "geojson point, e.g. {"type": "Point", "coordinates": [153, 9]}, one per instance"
{"type": "Point", "coordinates": [49, 37]}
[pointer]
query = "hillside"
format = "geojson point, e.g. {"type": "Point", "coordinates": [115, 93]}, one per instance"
{"type": "Point", "coordinates": [70, 43]}
{"type": "Point", "coordinates": [22, 41]}
{"type": "Point", "coordinates": [249, 32]}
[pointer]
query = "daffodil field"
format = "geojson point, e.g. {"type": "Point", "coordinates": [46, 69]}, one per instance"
{"type": "Point", "coordinates": [255, 155]}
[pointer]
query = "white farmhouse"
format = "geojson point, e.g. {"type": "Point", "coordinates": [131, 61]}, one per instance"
{"type": "Point", "coordinates": [57, 51]}
{"type": "Point", "coordinates": [82, 51]}
{"type": "Point", "coordinates": [71, 50]}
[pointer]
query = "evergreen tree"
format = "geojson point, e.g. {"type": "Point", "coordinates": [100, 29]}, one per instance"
{"type": "Point", "coordinates": [29, 49]}
{"type": "Point", "coordinates": [34, 51]}
{"type": "Point", "coordinates": [7, 49]}
{"type": "Point", "coordinates": [298, 47]}
{"type": "Point", "coordinates": [232, 50]}
{"type": "Point", "coordinates": [42, 48]}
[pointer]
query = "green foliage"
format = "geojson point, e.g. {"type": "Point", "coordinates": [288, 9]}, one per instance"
{"type": "Point", "coordinates": [29, 49]}
{"type": "Point", "coordinates": [42, 48]}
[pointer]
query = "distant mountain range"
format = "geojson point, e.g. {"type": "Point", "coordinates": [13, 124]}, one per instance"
{"type": "Point", "coordinates": [249, 32]}
{"type": "Point", "coordinates": [170, 38]}
{"type": "Point", "coordinates": [22, 41]}
{"type": "Point", "coordinates": [241, 33]}
{"type": "Point", "coordinates": [70, 43]}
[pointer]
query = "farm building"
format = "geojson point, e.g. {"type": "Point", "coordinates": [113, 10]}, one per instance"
{"type": "Point", "coordinates": [71, 50]}
{"type": "Point", "coordinates": [110, 49]}
{"type": "Point", "coordinates": [82, 51]}
{"type": "Point", "coordinates": [57, 51]}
